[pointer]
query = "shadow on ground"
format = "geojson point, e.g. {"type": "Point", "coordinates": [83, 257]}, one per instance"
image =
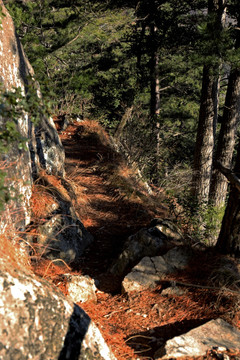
{"type": "Point", "coordinates": [117, 206]}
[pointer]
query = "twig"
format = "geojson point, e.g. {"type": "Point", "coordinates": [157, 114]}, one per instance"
{"type": "Point", "coordinates": [141, 336]}
{"type": "Point", "coordinates": [113, 312]}
{"type": "Point", "coordinates": [174, 283]}
{"type": "Point", "coordinates": [52, 261]}
{"type": "Point", "coordinates": [141, 351]}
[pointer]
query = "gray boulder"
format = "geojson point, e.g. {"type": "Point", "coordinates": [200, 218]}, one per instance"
{"type": "Point", "coordinates": [167, 227]}
{"type": "Point", "coordinates": [151, 270]}
{"type": "Point", "coordinates": [62, 236]}
{"type": "Point", "coordinates": [38, 322]}
{"type": "Point", "coordinates": [216, 334]}
{"type": "Point", "coordinates": [146, 242]}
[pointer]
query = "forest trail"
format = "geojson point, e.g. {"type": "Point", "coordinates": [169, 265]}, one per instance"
{"type": "Point", "coordinates": [111, 202]}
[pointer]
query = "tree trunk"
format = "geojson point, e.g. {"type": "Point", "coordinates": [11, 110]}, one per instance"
{"type": "Point", "coordinates": [226, 140]}
{"type": "Point", "coordinates": [229, 237]}
{"type": "Point", "coordinates": [203, 157]}
{"type": "Point", "coordinates": [204, 148]}
{"type": "Point", "coordinates": [139, 55]}
{"type": "Point", "coordinates": [155, 94]}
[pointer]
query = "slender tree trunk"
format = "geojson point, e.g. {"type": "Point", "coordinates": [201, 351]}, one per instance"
{"type": "Point", "coordinates": [205, 141]}
{"type": "Point", "coordinates": [139, 55]}
{"type": "Point", "coordinates": [155, 94]}
{"type": "Point", "coordinates": [203, 157]}
{"type": "Point", "coordinates": [226, 140]}
{"type": "Point", "coordinates": [229, 237]}
{"type": "Point", "coordinates": [157, 112]}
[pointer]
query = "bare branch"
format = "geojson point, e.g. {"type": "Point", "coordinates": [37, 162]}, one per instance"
{"type": "Point", "coordinates": [230, 175]}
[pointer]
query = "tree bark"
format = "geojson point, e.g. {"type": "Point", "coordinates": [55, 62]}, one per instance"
{"type": "Point", "coordinates": [226, 140]}
{"type": "Point", "coordinates": [155, 94]}
{"type": "Point", "coordinates": [205, 141]}
{"type": "Point", "coordinates": [229, 237]}
{"type": "Point", "coordinates": [203, 157]}
{"type": "Point", "coordinates": [139, 55]}
{"type": "Point", "coordinates": [232, 178]}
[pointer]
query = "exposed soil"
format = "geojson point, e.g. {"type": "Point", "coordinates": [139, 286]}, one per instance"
{"type": "Point", "coordinates": [113, 204]}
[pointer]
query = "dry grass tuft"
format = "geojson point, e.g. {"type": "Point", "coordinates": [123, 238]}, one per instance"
{"type": "Point", "coordinates": [13, 250]}
{"type": "Point", "coordinates": [50, 269]}
{"type": "Point", "coordinates": [93, 127]}
{"type": "Point", "coordinates": [42, 202]}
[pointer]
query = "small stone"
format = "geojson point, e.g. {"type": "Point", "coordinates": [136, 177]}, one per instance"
{"type": "Point", "coordinates": [173, 290]}
{"type": "Point", "coordinates": [81, 288]}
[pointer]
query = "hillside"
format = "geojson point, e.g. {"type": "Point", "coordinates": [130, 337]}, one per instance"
{"type": "Point", "coordinates": [113, 204]}
{"type": "Point", "coordinates": [79, 228]}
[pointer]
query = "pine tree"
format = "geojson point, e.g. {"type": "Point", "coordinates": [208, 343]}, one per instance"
{"type": "Point", "coordinates": [229, 238]}
{"type": "Point", "coordinates": [206, 132]}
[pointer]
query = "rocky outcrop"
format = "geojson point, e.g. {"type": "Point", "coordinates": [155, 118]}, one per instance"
{"type": "Point", "coordinates": [44, 146]}
{"type": "Point", "coordinates": [59, 234]}
{"type": "Point", "coordinates": [155, 240]}
{"type": "Point", "coordinates": [214, 335]}
{"type": "Point", "coordinates": [151, 270]}
{"type": "Point", "coordinates": [62, 235]}
{"type": "Point", "coordinates": [38, 322]}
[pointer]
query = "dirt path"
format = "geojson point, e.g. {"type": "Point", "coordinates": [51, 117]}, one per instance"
{"type": "Point", "coordinates": [112, 205]}
{"type": "Point", "coordinates": [106, 198]}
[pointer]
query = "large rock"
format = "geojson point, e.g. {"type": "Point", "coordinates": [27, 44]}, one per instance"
{"type": "Point", "coordinates": [151, 270]}
{"type": "Point", "coordinates": [146, 242]}
{"type": "Point", "coordinates": [216, 334]}
{"type": "Point", "coordinates": [38, 322]}
{"type": "Point", "coordinates": [44, 147]}
{"type": "Point", "coordinates": [62, 235]}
